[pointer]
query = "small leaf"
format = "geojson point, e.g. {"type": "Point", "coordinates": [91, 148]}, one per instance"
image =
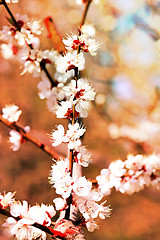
{"type": "Point", "coordinates": [11, 21]}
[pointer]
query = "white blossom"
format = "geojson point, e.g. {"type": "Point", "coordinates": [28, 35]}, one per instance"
{"type": "Point", "coordinates": [80, 95]}
{"type": "Point", "coordinates": [83, 41]}
{"type": "Point", "coordinates": [72, 136]}
{"type": "Point", "coordinates": [35, 27]}
{"type": "Point", "coordinates": [8, 50]}
{"type": "Point", "coordinates": [91, 209]}
{"type": "Point", "coordinates": [80, 91]}
{"type": "Point", "coordinates": [23, 229]}
{"type": "Point", "coordinates": [88, 30]}
{"type": "Point", "coordinates": [82, 156]}
{"type": "Point", "coordinates": [44, 87]}
{"type": "Point", "coordinates": [51, 55]}
{"type": "Point", "coordinates": [61, 179]}
{"type": "Point", "coordinates": [39, 214]}
{"type": "Point", "coordinates": [32, 60]}
{"type": "Point", "coordinates": [6, 199]}
{"type": "Point", "coordinates": [91, 225]}
{"type": "Point", "coordinates": [70, 61]}
{"type": "Point", "coordinates": [11, 112]}
{"type": "Point", "coordinates": [58, 135]}
{"type": "Point", "coordinates": [64, 109]}
{"type": "Point", "coordinates": [25, 35]}
{"type": "Point", "coordinates": [64, 186]}
{"type": "Point", "coordinates": [56, 94]}
{"type": "Point", "coordinates": [59, 203]}
{"type": "Point", "coordinates": [42, 214]}
{"type": "Point", "coordinates": [15, 138]}
{"type": "Point", "coordinates": [82, 187]}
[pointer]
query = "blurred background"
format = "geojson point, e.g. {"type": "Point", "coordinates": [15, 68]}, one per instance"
{"type": "Point", "coordinates": [125, 117]}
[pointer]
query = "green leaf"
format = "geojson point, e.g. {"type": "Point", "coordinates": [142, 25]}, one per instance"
{"type": "Point", "coordinates": [11, 21]}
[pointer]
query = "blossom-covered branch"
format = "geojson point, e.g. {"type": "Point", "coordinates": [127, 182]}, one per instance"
{"type": "Point", "coordinates": [130, 176]}
{"type": "Point", "coordinates": [28, 221]}
{"type": "Point", "coordinates": [32, 139]}
{"type": "Point", "coordinates": [70, 97]}
{"type": "Point", "coordinates": [26, 36]}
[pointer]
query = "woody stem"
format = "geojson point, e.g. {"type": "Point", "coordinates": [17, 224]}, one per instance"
{"type": "Point", "coordinates": [87, 5]}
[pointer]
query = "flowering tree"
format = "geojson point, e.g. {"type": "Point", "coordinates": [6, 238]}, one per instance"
{"type": "Point", "coordinates": [69, 94]}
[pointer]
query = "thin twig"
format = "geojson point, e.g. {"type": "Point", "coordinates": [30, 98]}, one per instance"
{"type": "Point", "coordinates": [87, 5]}
{"type": "Point", "coordinates": [31, 138]}
{"type": "Point", "coordinates": [11, 15]}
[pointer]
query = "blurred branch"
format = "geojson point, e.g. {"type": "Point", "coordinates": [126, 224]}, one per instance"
{"type": "Point", "coordinates": [145, 27]}
{"type": "Point", "coordinates": [31, 138]}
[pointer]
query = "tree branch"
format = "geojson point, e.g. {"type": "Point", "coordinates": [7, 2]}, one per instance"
{"type": "Point", "coordinates": [32, 139]}
{"type": "Point", "coordinates": [87, 5]}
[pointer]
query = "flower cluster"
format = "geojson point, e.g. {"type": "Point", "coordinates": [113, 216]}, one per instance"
{"type": "Point", "coordinates": [77, 97]}
{"type": "Point", "coordinates": [32, 60]}
{"type": "Point", "coordinates": [23, 218]}
{"type": "Point", "coordinates": [69, 62]}
{"type": "Point", "coordinates": [78, 93]}
{"type": "Point", "coordinates": [82, 156]}
{"type": "Point", "coordinates": [72, 136]}
{"type": "Point", "coordinates": [11, 113]}
{"type": "Point", "coordinates": [23, 33]}
{"type": "Point", "coordinates": [83, 41]}
{"type": "Point", "coordinates": [61, 179]}
{"type": "Point", "coordinates": [74, 58]}
{"type": "Point", "coordinates": [130, 176]}
{"type": "Point", "coordinates": [143, 131]}
{"type": "Point", "coordinates": [84, 197]}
